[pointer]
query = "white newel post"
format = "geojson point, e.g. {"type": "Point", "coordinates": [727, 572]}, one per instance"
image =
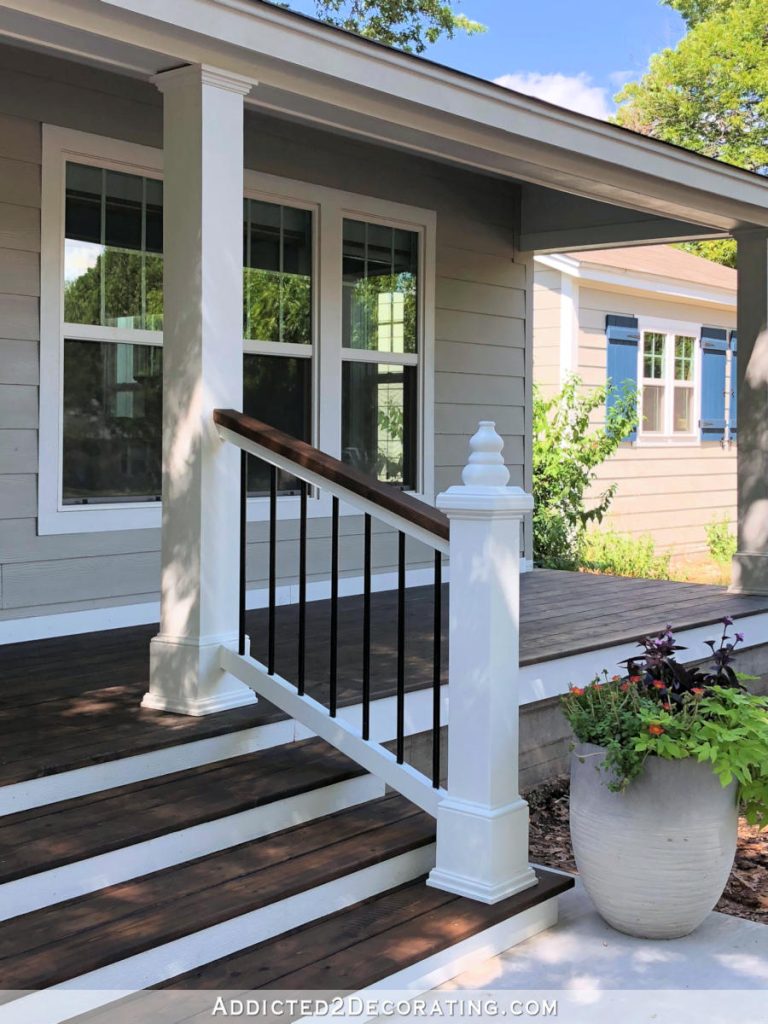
{"type": "Point", "coordinates": [202, 370]}
{"type": "Point", "coordinates": [482, 825]}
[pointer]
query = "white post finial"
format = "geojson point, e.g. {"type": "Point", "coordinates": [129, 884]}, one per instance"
{"type": "Point", "coordinates": [482, 824]}
{"type": "Point", "coordinates": [485, 467]}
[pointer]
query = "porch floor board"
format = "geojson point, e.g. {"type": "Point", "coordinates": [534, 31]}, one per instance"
{"type": "Point", "coordinates": [69, 702]}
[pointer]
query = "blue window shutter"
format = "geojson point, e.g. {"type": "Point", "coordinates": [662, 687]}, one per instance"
{"type": "Point", "coordinates": [714, 352]}
{"type": "Point", "coordinates": [623, 340]}
{"type": "Point", "coordinates": [733, 416]}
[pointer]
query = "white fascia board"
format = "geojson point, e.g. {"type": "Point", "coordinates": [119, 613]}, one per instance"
{"type": "Point", "coordinates": [423, 105]}
{"type": "Point", "coordinates": [651, 284]}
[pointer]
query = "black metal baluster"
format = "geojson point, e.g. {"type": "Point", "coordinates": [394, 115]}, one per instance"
{"type": "Point", "coordinates": [367, 631]}
{"type": "Point", "coordinates": [334, 604]}
{"type": "Point", "coordinates": [302, 585]}
{"type": "Point", "coordinates": [272, 566]}
{"type": "Point", "coordinates": [436, 668]}
{"type": "Point", "coordinates": [243, 525]}
{"type": "Point", "coordinates": [400, 646]}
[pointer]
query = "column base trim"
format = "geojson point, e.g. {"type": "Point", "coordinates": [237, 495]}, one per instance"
{"type": "Point", "coordinates": [749, 574]}
{"type": "Point", "coordinates": [463, 885]}
{"type": "Point", "coordinates": [197, 707]}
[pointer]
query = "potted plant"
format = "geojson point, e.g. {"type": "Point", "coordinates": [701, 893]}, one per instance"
{"type": "Point", "coordinates": [665, 756]}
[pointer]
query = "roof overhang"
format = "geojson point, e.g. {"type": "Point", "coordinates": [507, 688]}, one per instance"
{"type": "Point", "coordinates": [320, 75]}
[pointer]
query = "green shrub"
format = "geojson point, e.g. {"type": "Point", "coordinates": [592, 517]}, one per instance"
{"type": "Point", "coordinates": [567, 449]}
{"type": "Point", "coordinates": [720, 541]}
{"type": "Point", "coordinates": [619, 555]}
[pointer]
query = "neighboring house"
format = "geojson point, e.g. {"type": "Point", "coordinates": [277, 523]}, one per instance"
{"type": "Point", "coordinates": [215, 213]}
{"type": "Point", "coordinates": [664, 320]}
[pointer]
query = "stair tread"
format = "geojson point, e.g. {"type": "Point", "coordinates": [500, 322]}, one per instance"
{"type": "Point", "coordinates": [50, 836]}
{"type": "Point", "coordinates": [65, 941]}
{"type": "Point", "coordinates": [365, 943]}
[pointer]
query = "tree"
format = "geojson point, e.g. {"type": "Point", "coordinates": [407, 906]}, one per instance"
{"type": "Point", "coordinates": [710, 93]}
{"type": "Point", "coordinates": [567, 449]}
{"type": "Point", "coordinates": [409, 25]}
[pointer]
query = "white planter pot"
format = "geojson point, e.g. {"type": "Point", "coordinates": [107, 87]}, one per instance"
{"type": "Point", "coordinates": [654, 859]}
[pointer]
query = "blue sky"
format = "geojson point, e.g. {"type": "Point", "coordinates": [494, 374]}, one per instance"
{"type": "Point", "coordinates": [573, 52]}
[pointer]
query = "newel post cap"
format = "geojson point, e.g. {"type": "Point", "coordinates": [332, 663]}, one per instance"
{"type": "Point", "coordinates": [485, 479]}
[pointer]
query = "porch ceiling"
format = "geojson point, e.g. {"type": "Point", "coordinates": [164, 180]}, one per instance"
{"type": "Point", "coordinates": [586, 182]}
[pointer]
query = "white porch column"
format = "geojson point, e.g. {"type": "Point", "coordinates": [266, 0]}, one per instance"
{"type": "Point", "coordinates": [482, 826]}
{"type": "Point", "coordinates": [202, 370]}
{"type": "Point", "coordinates": [750, 565]}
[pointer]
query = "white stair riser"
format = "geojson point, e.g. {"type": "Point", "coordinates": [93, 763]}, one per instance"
{"type": "Point", "coordinates": [71, 880]}
{"type": "Point", "coordinates": [104, 986]}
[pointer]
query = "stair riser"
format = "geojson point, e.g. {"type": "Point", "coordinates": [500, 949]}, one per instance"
{"type": "Point", "coordinates": [24, 796]}
{"type": "Point", "coordinates": [99, 988]}
{"type": "Point", "coordinates": [71, 880]}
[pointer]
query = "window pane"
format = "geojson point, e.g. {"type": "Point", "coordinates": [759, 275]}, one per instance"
{"type": "Point", "coordinates": [112, 422]}
{"type": "Point", "coordinates": [683, 358]}
{"type": "Point", "coordinates": [379, 420]}
{"type": "Point", "coordinates": [113, 268]}
{"type": "Point", "coordinates": [380, 278]}
{"type": "Point", "coordinates": [277, 390]}
{"type": "Point", "coordinates": [278, 273]}
{"type": "Point", "coordinates": [653, 355]}
{"type": "Point", "coordinates": [683, 410]}
{"type": "Point", "coordinates": [653, 408]}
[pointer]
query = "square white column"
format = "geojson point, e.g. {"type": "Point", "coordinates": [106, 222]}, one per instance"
{"type": "Point", "coordinates": [482, 825]}
{"type": "Point", "coordinates": [750, 565]}
{"type": "Point", "coordinates": [202, 371]}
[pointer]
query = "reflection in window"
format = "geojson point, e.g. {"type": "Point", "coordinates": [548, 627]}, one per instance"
{"type": "Point", "coordinates": [683, 411]}
{"type": "Point", "coordinates": [653, 408]}
{"type": "Point", "coordinates": [113, 264]}
{"type": "Point", "coordinates": [277, 286]}
{"type": "Point", "coordinates": [112, 422]}
{"type": "Point", "coordinates": [380, 268]}
{"type": "Point", "coordinates": [653, 355]}
{"type": "Point", "coordinates": [379, 420]}
{"type": "Point", "coordinates": [278, 391]}
{"type": "Point", "coordinates": [684, 358]}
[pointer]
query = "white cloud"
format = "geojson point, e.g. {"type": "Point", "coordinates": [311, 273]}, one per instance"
{"type": "Point", "coordinates": [575, 92]}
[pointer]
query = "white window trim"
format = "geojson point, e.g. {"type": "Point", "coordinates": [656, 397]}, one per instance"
{"type": "Point", "coordinates": [670, 328]}
{"type": "Point", "coordinates": [330, 207]}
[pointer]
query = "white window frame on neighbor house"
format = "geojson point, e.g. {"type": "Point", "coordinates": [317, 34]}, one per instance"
{"type": "Point", "coordinates": [670, 329]}
{"type": "Point", "coordinates": [329, 209]}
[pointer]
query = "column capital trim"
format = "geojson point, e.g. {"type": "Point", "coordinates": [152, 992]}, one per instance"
{"type": "Point", "coordinates": [205, 74]}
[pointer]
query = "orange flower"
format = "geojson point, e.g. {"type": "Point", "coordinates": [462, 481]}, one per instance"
{"type": "Point", "coordinates": [577, 691]}
{"type": "Point", "coordinates": [698, 690]}
{"type": "Point", "coordinates": [655, 729]}
{"type": "Point", "coordinates": [634, 679]}
{"type": "Point", "coordinates": [615, 679]}
{"type": "Point", "coordinates": [659, 685]}
{"type": "Point", "coordinates": [624, 687]}
{"type": "Point", "coordinates": [667, 707]}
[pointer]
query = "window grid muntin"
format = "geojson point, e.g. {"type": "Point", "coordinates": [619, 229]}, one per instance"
{"type": "Point", "coordinates": [668, 382]}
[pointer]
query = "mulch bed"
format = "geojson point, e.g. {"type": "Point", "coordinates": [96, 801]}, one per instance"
{"type": "Point", "coordinates": [746, 894]}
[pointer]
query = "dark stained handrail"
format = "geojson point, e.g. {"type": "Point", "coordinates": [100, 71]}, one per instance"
{"type": "Point", "coordinates": [335, 471]}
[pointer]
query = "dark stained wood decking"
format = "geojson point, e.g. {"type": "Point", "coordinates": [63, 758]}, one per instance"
{"type": "Point", "coordinates": [73, 701]}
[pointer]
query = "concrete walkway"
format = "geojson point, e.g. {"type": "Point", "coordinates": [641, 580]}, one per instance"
{"type": "Point", "coordinates": [719, 973]}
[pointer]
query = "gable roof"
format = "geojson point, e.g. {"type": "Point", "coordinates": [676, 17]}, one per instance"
{"type": "Point", "coordinates": [661, 261]}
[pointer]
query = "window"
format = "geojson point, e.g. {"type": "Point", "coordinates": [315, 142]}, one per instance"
{"type": "Point", "coordinates": [668, 384]}
{"type": "Point", "coordinates": [338, 296]}
{"type": "Point", "coordinates": [380, 350]}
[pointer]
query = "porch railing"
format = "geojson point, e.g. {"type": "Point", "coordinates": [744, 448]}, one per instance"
{"type": "Point", "coordinates": [482, 822]}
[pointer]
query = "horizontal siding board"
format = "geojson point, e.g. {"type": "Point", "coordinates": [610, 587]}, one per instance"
{"type": "Point", "coordinates": [19, 272]}
{"type": "Point", "coordinates": [485, 268]}
{"type": "Point", "coordinates": [20, 182]}
{"type": "Point", "coordinates": [19, 227]}
{"type": "Point", "coordinates": [19, 317]}
{"type": "Point", "coordinates": [460, 357]}
{"type": "Point", "coordinates": [73, 579]}
{"type": "Point", "coordinates": [478, 389]}
{"type": "Point", "coordinates": [18, 495]}
{"type": "Point", "coordinates": [463, 419]}
{"type": "Point", "coordinates": [18, 455]}
{"type": "Point", "coordinates": [473, 297]}
{"type": "Point", "coordinates": [479, 328]}
{"type": "Point", "coordinates": [20, 139]}
{"type": "Point", "coordinates": [18, 406]}
{"type": "Point", "coordinates": [19, 362]}
{"type": "Point", "coordinates": [449, 476]}
{"type": "Point", "coordinates": [454, 451]}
